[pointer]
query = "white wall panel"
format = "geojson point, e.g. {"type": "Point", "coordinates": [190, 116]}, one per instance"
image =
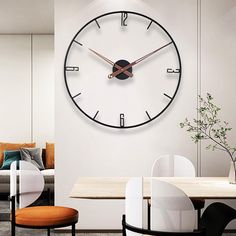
{"type": "Point", "coordinates": [218, 74]}
{"type": "Point", "coordinates": [43, 88]}
{"type": "Point", "coordinates": [15, 88]}
{"type": "Point", "coordinates": [218, 77]}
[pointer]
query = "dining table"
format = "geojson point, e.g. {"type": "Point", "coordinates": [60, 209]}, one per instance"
{"type": "Point", "coordinates": [114, 187]}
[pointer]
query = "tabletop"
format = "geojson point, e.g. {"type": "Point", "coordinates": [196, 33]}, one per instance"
{"type": "Point", "coordinates": [114, 187]}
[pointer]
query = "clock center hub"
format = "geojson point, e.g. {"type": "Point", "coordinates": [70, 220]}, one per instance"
{"type": "Point", "coordinates": [122, 63]}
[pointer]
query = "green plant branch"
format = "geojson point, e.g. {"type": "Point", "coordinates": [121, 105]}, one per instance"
{"type": "Point", "coordinates": [218, 143]}
{"type": "Point", "coordinates": [209, 126]}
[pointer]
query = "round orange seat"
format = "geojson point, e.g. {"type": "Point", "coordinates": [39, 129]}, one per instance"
{"type": "Point", "coordinates": [46, 216]}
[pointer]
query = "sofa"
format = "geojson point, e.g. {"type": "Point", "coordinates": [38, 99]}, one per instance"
{"type": "Point", "coordinates": [48, 175]}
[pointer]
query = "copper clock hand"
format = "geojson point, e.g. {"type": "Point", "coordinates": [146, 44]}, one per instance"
{"type": "Point", "coordinates": [111, 63]}
{"type": "Point", "coordinates": [122, 70]}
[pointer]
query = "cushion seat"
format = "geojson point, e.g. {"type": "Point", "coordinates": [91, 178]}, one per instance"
{"type": "Point", "coordinates": [46, 216]}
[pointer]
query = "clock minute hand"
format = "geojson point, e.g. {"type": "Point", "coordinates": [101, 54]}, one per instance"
{"type": "Point", "coordinates": [111, 63]}
{"type": "Point", "coordinates": [123, 70]}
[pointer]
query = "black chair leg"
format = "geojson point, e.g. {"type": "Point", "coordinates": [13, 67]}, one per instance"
{"type": "Point", "coordinates": [123, 226]}
{"type": "Point", "coordinates": [216, 217]}
{"type": "Point", "coordinates": [198, 219]}
{"type": "Point", "coordinates": [13, 229]}
{"type": "Point", "coordinates": [149, 215]}
{"type": "Point", "coordinates": [73, 230]}
{"type": "Point", "coordinates": [48, 230]}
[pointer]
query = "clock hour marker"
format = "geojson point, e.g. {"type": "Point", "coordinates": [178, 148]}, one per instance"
{"type": "Point", "coordinates": [72, 68]}
{"type": "Point", "coordinates": [168, 96]}
{"type": "Point", "coordinates": [124, 16]}
{"type": "Point", "coordinates": [169, 70]}
{"type": "Point", "coordinates": [148, 115]}
{"type": "Point", "coordinates": [78, 43]}
{"type": "Point", "coordinates": [149, 24]}
{"type": "Point", "coordinates": [122, 120]}
{"type": "Point", "coordinates": [76, 95]}
{"type": "Point", "coordinates": [95, 115]}
{"type": "Point", "coordinates": [97, 24]}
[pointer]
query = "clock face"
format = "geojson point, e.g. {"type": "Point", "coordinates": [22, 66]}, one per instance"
{"type": "Point", "coordinates": [122, 69]}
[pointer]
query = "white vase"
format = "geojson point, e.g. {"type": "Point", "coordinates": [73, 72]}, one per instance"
{"type": "Point", "coordinates": [232, 172]}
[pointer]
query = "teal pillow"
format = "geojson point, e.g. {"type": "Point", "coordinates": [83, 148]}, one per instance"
{"type": "Point", "coordinates": [9, 157]}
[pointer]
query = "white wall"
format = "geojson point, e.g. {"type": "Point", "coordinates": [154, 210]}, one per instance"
{"type": "Point", "coordinates": [218, 73]}
{"type": "Point", "coordinates": [84, 148]}
{"type": "Point", "coordinates": [43, 89]}
{"type": "Point", "coordinates": [15, 88]}
{"type": "Point", "coordinates": [27, 88]}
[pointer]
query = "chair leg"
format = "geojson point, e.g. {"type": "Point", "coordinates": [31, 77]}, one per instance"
{"type": "Point", "coordinates": [198, 219]}
{"type": "Point", "coordinates": [13, 229]}
{"type": "Point", "coordinates": [73, 230]}
{"type": "Point", "coordinates": [149, 215]}
{"type": "Point", "coordinates": [123, 226]}
{"type": "Point", "coordinates": [48, 230]}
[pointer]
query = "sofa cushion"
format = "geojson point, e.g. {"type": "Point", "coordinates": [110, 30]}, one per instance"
{"type": "Point", "coordinates": [32, 155]}
{"type": "Point", "coordinates": [49, 155]}
{"type": "Point", "coordinates": [12, 146]}
{"type": "Point", "coordinates": [9, 157]}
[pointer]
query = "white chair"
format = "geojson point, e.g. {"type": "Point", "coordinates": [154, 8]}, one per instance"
{"type": "Point", "coordinates": [171, 209]}
{"type": "Point", "coordinates": [134, 203]}
{"type": "Point", "coordinates": [177, 166]}
{"type": "Point", "coordinates": [173, 166]}
{"type": "Point", "coordinates": [31, 185]}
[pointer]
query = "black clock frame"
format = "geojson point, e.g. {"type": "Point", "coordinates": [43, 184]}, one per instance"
{"type": "Point", "coordinates": [179, 71]}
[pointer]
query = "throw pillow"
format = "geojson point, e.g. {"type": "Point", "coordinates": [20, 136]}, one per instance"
{"type": "Point", "coordinates": [9, 157]}
{"type": "Point", "coordinates": [32, 155]}
{"type": "Point", "coordinates": [12, 146]}
{"type": "Point", "coordinates": [49, 155]}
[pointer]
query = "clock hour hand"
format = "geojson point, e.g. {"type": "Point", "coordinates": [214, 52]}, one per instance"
{"type": "Point", "coordinates": [111, 63]}
{"type": "Point", "coordinates": [124, 69]}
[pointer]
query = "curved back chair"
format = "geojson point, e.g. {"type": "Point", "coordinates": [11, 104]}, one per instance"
{"type": "Point", "coordinates": [134, 203]}
{"type": "Point", "coordinates": [173, 166]}
{"type": "Point", "coordinates": [170, 209]}
{"type": "Point", "coordinates": [31, 185]}
{"type": "Point", "coordinates": [177, 166]}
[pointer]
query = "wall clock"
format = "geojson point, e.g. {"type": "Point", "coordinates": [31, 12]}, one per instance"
{"type": "Point", "coordinates": [122, 69]}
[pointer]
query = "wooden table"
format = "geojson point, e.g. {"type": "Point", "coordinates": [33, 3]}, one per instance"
{"type": "Point", "coordinates": [114, 187]}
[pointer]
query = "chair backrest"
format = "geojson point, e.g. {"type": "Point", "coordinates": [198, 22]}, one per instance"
{"type": "Point", "coordinates": [173, 166]}
{"type": "Point", "coordinates": [171, 209]}
{"type": "Point", "coordinates": [31, 182]}
{"type": "Point", "coordinates": [134, 203]}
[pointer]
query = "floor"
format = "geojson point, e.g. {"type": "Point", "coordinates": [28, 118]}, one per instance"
{"type": "Point", "coordinates": [5, 227]}
{"type": "Point", "coordinates": [5, 231]}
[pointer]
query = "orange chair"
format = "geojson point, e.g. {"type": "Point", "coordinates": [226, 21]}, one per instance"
{"type": "Point", "coordinates": [31, 185]}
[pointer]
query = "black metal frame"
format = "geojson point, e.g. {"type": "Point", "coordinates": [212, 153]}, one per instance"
{"type": "Point", "coordinates": [74, 41]}
{"type": "Point", "coordinates": [126, 226]}
{"type": "Point", "coordinates": [13, 222]}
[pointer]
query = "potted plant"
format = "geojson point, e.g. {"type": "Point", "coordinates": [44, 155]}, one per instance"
{"type": "Point", "coordinates": [210, 127]}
